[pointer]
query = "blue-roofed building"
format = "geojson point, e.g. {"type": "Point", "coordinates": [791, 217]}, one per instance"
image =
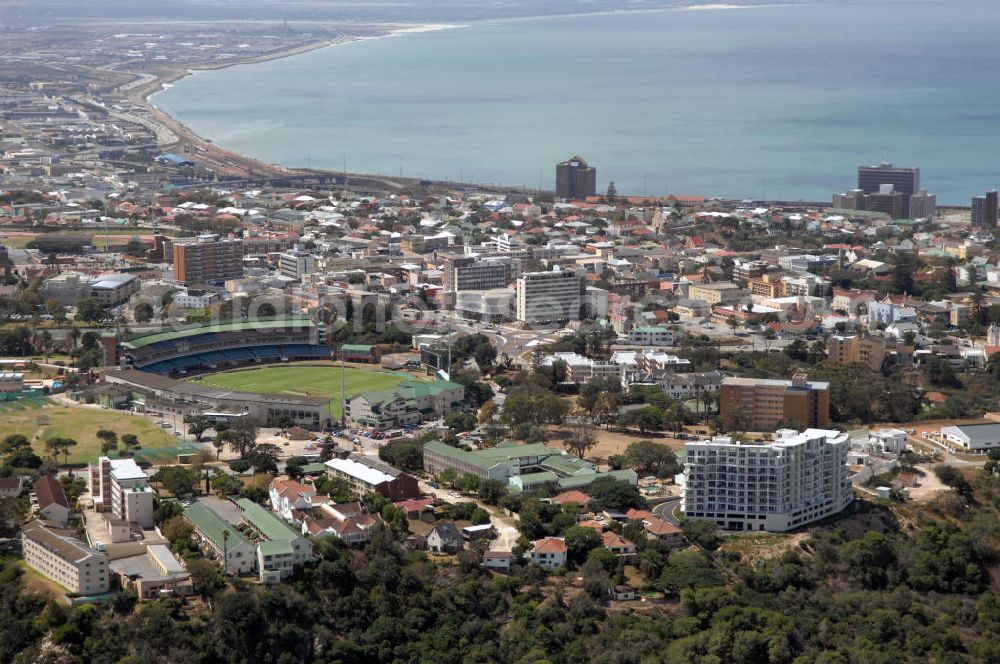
{"type": "Point", "coordinates": [170, 159]}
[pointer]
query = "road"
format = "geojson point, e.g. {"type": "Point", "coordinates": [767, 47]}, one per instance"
{"type": "Point", "coordinates": [665, 510]}
{"type": "Point", "coordinates": [505, 526]}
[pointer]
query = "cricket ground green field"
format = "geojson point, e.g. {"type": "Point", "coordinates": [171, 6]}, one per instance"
{"type": "Point", "coordinates": [305, 380]}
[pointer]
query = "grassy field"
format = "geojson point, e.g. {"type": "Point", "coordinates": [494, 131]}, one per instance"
{"type": "Point", "coordinates": [39, 419]}
{"type": "Point", "coordinates": [305, 381]}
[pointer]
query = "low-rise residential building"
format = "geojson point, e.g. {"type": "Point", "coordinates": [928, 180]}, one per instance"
{"type": "Point", "coordinates": [549, 552]}
{"type": "Point", "coordinates": [768, 404]}
{"type": "Point", "coordinates": [410, 402]}
{"type": "Point", "coordinates": [868, 350]}
{"type": "Point", "coordinates": [153, 574]}
{"type": "Point", "coordinates": [776, 486]}
{"type": "Point", "coordinates": [225, 542]}
{"type": "Point", "coordinates": [653, 336]}
{"type": "Point", "coordinates": [717, 293]}
{"type": "Point", "coordinates": [347, 521]}
{"type": "Point", "coordinates": [281, 549]}
{"type": "Point", "coordinates": [59, 556]}
{"type": "Point", "coordinates": [499, 561]}
{"type": "Point", "coordinates": [366, 474]}
{"type": "Point", "coordinates": [114, 289]}
{"type": "Point", "coordinates": [11, 382]}
{"type": "Point", "coordinates": [445, 538]}
{"type": "Point", "coordinates": [522, 467]}
{"type": "Point", "coordinates": [618, 545]}
{"type": "Point", "coordinates": [288, 496]}
{"type": "Point", "coordinates": [49, 501]}
{"type": "Point", "coordinates": [12, 487]}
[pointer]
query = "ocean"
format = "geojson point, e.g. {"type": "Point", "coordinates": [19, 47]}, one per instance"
{"type": "Point", "coordinates": [763, 102]}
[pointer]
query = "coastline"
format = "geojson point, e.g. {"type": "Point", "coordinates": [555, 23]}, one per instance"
{"type": "Point", "coordinates": [229, 162]}
{"type": "Point", "coordinates": [219, 158]}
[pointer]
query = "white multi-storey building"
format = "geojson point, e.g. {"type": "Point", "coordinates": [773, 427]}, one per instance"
{"type": "Point", "coordinates": [122, 487]}
{"type": "Point", "coordinates": [776, 486]}
{"type": "Point", "coordinates": [549, 297]}
{"type": "Point", "coordinates": [296, 264]}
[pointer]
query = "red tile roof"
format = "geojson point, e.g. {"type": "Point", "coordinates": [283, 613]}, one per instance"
{"type": "Point", "coordinates": [49, 491]}
{"type": "Point", "coordinates": [550, 545]}
{"type": "Point", "coordinates": [573, 496]}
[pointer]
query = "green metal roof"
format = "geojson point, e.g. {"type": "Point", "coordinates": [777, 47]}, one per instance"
{"type": "Point", "coordinates": [357, 348]}
{"type": "Point", "coordinates": [488, 458]}
{"type": "Point", "coordinates": [532, 479]}
{"type": "Point", "coordinates": [212, 526]}
{"type": "Point", "coordinates": [651, 330]}
{"type": "Point", "coordinates": [317, 467]}
{"type": "Point", "coordinates": [409, 390]}
{"type": "Point", "coordinates": [276, 548]}
{"type": "Point", "coordinates": [141, 340]}
{"type": "Point", "coordinates": [270, 526]}
{"type": "Point", "coordinates": [586, 480]}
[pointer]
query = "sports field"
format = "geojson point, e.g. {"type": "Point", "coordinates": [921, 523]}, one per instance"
{"type": "Point", "coordinates": [39, 418]}
{"type": "Point", "coordinates": [306, 381]}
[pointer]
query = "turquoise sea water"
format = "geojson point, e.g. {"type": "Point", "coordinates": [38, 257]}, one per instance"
{"type": "Point", "coordinates": [769, 101]}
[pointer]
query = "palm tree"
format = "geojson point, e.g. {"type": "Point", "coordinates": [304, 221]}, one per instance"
{"type": "Point", "coordinates": [46, 343]}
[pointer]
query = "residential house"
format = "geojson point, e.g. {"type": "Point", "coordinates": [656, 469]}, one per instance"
{"type": "Point", "coordinates": [445, 538]}
{"type": "Point", "coordinates": [499, 561]}
{"type": "Point", "coordinates": [224, 541]}
{"type": "Point", "coordinates": [49, 501]}
{"type": "Point", "coordinates": [549, 552]}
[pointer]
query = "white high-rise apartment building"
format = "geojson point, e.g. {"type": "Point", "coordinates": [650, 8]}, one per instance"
{"type": "Point", "coordinates": [549, 297]}
{"type": "Point", "coordinates": [794, 480]}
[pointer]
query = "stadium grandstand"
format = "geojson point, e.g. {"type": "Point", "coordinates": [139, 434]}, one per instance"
{"type": "Point", "coordinates": [223, 345]}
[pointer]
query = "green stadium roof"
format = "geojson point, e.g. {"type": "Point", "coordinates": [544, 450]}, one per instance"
{"type": "Point", "coordinates": [150, 338]}
{"type": "Point", "coordinates": [267, 523]}
{"type": "Point", "coordinates": [212, 526]}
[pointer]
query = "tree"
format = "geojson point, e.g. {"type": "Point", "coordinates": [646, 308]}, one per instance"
{"type": "Point", "coordinates": [205, 577]}
{"type": "Point", "coordinates": [492, 492]}
{"type": "Point", "coordinates": [14, 443]}
{"type": "Point", "coordinates": [264, 458]}
{"type": "Point", "coordinates": [177, 528]}
{"type": "Point", "coordinates": [131, 442]}
{"type": "Point", "coordinates": [178, 480]}
{"type": "Point", "coordinates": [487, 412]}
{"type": "Point", "coordinates": [581, 439]}
{"type": "Point", "coordinates": [59, 445]}
{"type": "Point", "coordinates": [648, 458]}
{"type": "Point", "coordinates": [109, 440]}
{"type": "Point", "coordinates": [646, 419]}
{"type": "Point", "coordinates": [266, 310]}
{"type": "Point", "coordinates": [143, 312]}
{"type": "Point", "coordinates": [612, 193]}
{"type": "Point", "coordinates": [872, 560]}
{"type": "Point", "coordinates": [580, 541]}
{"type": "Point", "coordinates": [293, 467]}
{"type": "Point", "coordinates": [606, 407]}
{"type": "Point", "coordinates": [404, 454]}
{"type": "Point", "coordinates": [242, 436]}
{"type": "Point", "coordinates": [89, 310]}
{"type": "Point", "coordinates": [701, 532]}
{"type": "Point", "coordinates": [197, 426]}
{"type": "Point", "coordinates": [612, 494]}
